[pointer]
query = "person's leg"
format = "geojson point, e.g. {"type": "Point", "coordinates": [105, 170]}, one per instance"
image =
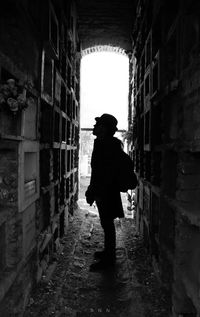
{"type": "Point", "coordinates": [108, 226]}
{"type": "Point", "coordinates": [107, 256]}
{"type": "Point", "coordinates": [109, 237]}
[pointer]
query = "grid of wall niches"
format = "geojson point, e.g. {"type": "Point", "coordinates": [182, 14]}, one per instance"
{"type": "Point", "coordinates": [156, 72]}
{"type": "Point", "coordinates": [58, 166]}
{"type": "Point", "coordinates": [146, 86]}
{"type": "Point", "coordinates": [59, 112]}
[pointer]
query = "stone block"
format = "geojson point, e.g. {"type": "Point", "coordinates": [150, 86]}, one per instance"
{"type": "Point", "coordinates": [30, 119]}
{"type": "Point", "coordinates": [13, 242]}
{"type": "Point", "coordinates": [8, 174]}
{"type": "Point", "coordinates": [29, 229]}
{"type": "Point", "coordinates": [187, 263]}
{"type": "Point", "coordinates": [10, 124]}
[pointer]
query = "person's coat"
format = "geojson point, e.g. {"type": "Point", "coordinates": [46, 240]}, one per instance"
{"type": "Point", "coordinates": [103, 185]}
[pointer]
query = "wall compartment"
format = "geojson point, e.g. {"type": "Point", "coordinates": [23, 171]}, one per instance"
{"type": "Point", "coordinates": [57, 91]}
{"type": "Point", "coordinates": [45, 158]}
{"type": "Point", "coordinates": [51, 32]}
{"type": "Point", "coordinates": [29, 174]}
{"type": "Point", "coordinates": [47, 75]}
{"type": "Point", "coordinates": [46, 122]}
{"type": "Point", "coordinates": [30, 116]}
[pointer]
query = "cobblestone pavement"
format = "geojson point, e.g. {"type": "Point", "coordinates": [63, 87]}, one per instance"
{"type": "Point", "coordinates": [129, 290]}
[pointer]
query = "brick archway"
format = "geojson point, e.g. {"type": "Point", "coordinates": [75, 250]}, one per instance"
{"type": "Point", "coordinates": [103, 48]}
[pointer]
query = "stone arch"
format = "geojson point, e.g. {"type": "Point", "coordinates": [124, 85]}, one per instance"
{"type": "Point", "coordinates": [104, 48]}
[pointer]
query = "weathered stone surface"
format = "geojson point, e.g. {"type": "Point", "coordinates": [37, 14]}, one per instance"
{"type": "Point", "coordinates": [75, 291]}
{"type": "Point", "coordinates": [105, 23]}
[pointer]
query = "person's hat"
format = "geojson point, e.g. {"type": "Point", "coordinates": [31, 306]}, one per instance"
{"type": "Point", "coordinates": [107, 120]}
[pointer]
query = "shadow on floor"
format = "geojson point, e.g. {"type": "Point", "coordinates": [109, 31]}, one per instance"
{"type": "Point", "coordinates": [129, 290]}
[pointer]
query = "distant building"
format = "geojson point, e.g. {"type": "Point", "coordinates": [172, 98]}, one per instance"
{"type": "Point", "coordinates": [86, 146]}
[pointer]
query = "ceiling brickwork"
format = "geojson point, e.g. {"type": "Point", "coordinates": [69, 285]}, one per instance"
{"type": "Point", "coordinates": [105, 22]}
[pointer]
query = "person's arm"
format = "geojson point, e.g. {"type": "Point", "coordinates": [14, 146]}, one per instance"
{"type": "Point", "coordinates": [89, 196]}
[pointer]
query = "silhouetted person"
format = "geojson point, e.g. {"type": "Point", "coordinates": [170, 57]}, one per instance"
{"type": "Point", "coordinates": [103, 188]}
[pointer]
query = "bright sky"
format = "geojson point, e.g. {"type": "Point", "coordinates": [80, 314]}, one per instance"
{"type": "Point", "coordinates": [104, 87]}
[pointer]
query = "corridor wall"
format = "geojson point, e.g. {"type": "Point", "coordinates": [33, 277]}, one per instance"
{"type": "Point", "coordinates": [39, 141]}
{"type": "Point", "coordinates": [164, 118]}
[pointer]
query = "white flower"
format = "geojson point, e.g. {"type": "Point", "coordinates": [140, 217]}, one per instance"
{"type": "Point", "coordinates": [13, 104]}
{"type": "Point", "coordinates": [14, 95]}
{"type": "Point", "coordinates": [11, 82]}
{"type": "Point", "coordinates": [5, 90]}
{"type": "Point", "coordinates": [21, 99]}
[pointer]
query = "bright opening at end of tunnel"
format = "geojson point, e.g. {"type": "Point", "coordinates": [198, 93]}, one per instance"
{"type": "Point", "coordinates": [104, 87]}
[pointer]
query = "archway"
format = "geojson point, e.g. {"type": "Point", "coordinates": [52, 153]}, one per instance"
{"type": "Point", "coordinates": [104, 89]}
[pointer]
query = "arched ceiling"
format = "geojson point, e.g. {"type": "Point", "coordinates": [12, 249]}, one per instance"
{"type": "Point", "coordinates": [105, 22]}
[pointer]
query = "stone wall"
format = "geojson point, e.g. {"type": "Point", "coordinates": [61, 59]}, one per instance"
{"type": "Point", "coordinates": [166, 101]}
{"type": "Point", "coordinates": [38, 141]}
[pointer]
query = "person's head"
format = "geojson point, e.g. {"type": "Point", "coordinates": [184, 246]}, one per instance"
{"type": "Point", "coordinates": [105, 126]}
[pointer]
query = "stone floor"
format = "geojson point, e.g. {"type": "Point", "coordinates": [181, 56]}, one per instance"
{"type": "Point", "coordinates": [71, 290]}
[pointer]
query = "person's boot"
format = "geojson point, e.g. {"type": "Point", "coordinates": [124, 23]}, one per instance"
{"type": "Point", "coordinates": [99, 255]}
{"type": "Point", "coordinates": [106, 261]}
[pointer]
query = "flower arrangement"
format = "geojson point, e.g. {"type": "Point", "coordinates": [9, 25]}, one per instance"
{"type": "Point", "coordinates": [13, 95]}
